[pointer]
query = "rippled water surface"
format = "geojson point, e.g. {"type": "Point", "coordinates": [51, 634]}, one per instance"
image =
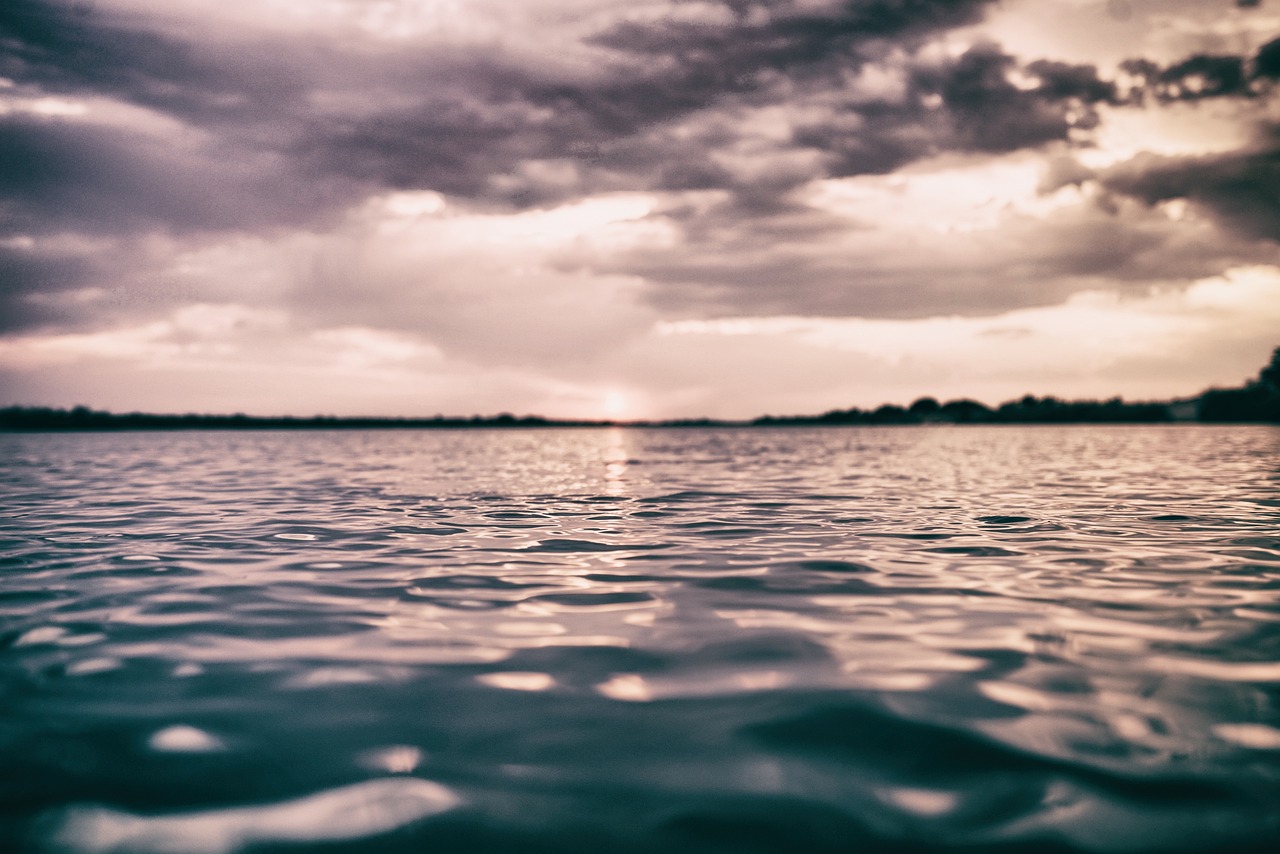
{"type": "Point", "coordinates": [739, 640]}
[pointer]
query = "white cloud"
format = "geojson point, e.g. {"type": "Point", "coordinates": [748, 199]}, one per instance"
{"type": "Point", "coordinates": [946, 195]}
{"type": "Point", "coordinates": [1171, 130]}
{"type": "Point", "coordinates": [1106, 32]}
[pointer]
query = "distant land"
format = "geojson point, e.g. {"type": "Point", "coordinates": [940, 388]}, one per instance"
{"type": "Point", "coordinates": [1256, 401]}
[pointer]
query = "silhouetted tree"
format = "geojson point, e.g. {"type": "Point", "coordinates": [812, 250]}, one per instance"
{"type": "Point", "coordinates": [964, 411]}
{"type": "Point", "coordinates": [925, 407]}
{"type": "Point", "coordinates": [1258, 400]}
{"type": "Point", "coordinates": [890, 413]}
{"type": "Point", "coordinates": [1270, 375]}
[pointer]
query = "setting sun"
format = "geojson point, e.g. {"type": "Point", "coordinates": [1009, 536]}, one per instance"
{"type": "Point", "coordinates": [615, 404]}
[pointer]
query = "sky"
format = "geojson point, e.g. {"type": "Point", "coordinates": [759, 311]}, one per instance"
{"type": "Point", "coordinates": [633, 208]}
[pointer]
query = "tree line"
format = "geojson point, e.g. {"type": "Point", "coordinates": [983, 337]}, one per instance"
{"type": "Point", "coordinates": [1256, 401]}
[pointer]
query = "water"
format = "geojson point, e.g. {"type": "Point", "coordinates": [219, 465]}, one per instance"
{"type": "Point", "coordinates": [899, 639]}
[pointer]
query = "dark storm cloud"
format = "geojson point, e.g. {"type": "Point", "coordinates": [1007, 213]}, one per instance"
{"type": "Point", "coordinates": [988, 113]}
{"type": "Point", "coordinates": [265, 134]}
{"type": "Point", "coordinates": [450, 121]}
{"type": "Point", "coordinates": [1204, 76]}
{"type": "Point", "coordinates": [795, 54]}
{"type": "Point", "coordinates": [99, 179]}
{"type": "Point", "coordinates": [1241, 189]}
{"type": "Point", "coordinates": [965, 104]}
{"type": "Point", "coordinates": [1267, 62]}
{"type": "Point", "coordinates": [764, 270]}
{"type": "Point", "coordinates": [28, 274]}
{"type": "Point", "coordinates": [271, 145]}
{"type": "Point", "coordinates": [216, 169]}
{"type": "Point", "coordinates": [693, 64]}
{"type": "Point", "coordinates": [315, 124]}
{"type": "Point", "coordinates": [255, 134]}
{"type": "Point", "coordinates": [670, 70]}
{"type": "Point", "coordinates": [1192, 79]}
{"type": "Point", "coordinates": [977, 107]}
{"type": "Point", "coordinates": [789, 32]}
{"type": "Point", "coordinates": [69, 49]}
{"type": "Point", "coordinates": [72, 50]}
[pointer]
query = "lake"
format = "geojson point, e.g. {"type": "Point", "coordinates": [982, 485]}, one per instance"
{"type": "Point", "coordinates": [907, 639]}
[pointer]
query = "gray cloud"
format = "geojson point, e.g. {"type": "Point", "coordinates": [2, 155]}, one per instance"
{"type": "Point", "coordinates": [1027, 262]}
{"type": "Point", "coordinates": [450, 121]}
{"type": "Point", "coordinates": [1241, 189]}
{"type": "Point", "coordinates": [295, 130]}
{"type": "Point", "coordinates": [1267, 61]}
{"type": "Point", "coordinates": [28, 274]}
{"type": "Point", "coordinates": [102, 179]}
{"type": "Point", "coordinates": [253, 135]}
{"type": "Point", "coordinates": [988, 113]}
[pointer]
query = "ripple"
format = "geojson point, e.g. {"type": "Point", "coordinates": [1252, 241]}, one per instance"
{"type": "Point", "coordinates": [91, 666]}
{"type": "Point", "coordinates": [40, 635]}
{"type": "Point", "coordinates": [976, 551]}
{"type": "Point", "coordinates": [570, 545]}
{"type": "Point", "coordinates": [792, 640]}
{"type": "Point", "coordinates": [1222, 671]}
{"type": "Point", "coordinates": [359, 811]}
{"type": "Point", "coordinates": [922, 802]}
{"type": "Point", "coordinates": [518, 681]}
{"type": "Point", "coordinates": [181, 738]}
{"type": "Point", "coordinates": [395, 758]}
{"type": "Point", "coordinates": [601, 599]}
{"type": "Point", "coordinates": [1256, 736]}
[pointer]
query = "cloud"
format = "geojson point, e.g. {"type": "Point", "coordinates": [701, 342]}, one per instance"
{"type": "Point", "coordinates": [1240, 188]}
{"type": "Point", "coordinates": [31, 281]}
{"type": "Point", "coordinates": [425, 115]}
{"type": "Point", "coordinates": [989, 111]}
{"type": "Point", "coordinates": [528, 188]}
{"type": "Point", "coordinates": [494, 288]}
{"type": "Point", "coordinates": [92, 178]}
{"type": "Point", "coordinates": [967, 235]}
{"type": "Point", "coordinates": [1267, 61]}
{"type": "Point", "coordinates": [280, 132]}
{"type": "Point", "coordinates": [1164, 343]}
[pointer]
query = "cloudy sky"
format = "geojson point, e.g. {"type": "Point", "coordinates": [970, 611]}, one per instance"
{"type": "Point", "coordinates": [633, 208]}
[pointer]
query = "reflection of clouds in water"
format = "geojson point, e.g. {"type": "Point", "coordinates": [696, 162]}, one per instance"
{"type": "Point", "coordinates": [923, 802]}
{"type": "Point", "coordinates": [351, 812]}
{"type": "Point", "coordinates": [181, 738]}
{"type": "Point", "coordinates": [518, 681]}
{"type": "Point", "coordinates": [1257, 736]}
{"type": "Point", "coordinates": [628, 687]}
{"type": "Point", "coordinates": [395, 758]}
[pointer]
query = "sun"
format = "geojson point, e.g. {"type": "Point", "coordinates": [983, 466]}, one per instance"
{"type": "Point", "coordinates": [614, 404]}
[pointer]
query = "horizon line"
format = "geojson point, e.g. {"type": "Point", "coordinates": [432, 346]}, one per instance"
{"type": "Point", "coordinates": [1245, 404]}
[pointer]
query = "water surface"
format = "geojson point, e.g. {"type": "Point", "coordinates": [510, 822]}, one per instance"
{"type": "Point", "coordinates": [740, 640]}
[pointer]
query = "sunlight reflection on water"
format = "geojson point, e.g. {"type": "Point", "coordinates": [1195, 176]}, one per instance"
{"type": "Point", "coordinates": [694, 639]}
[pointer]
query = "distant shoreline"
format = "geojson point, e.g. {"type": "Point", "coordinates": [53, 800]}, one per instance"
{"type": "Point", "coordinates": [1255, 402]}
{"type": "Point", "coordinates": [1028, 410]}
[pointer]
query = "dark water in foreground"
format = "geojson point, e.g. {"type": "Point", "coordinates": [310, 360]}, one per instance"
{"type": "Point", "coordinates": [912, 639]}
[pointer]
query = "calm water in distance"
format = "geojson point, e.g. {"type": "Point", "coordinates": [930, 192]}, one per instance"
{"type": "Point", "coordinates": [727, 640]}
